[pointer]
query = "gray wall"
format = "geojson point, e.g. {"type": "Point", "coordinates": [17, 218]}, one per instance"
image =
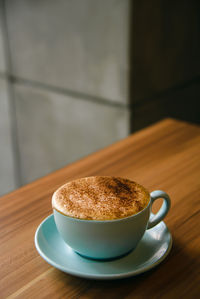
{"type": "Point", "coordinates": [78, 75]}
{"type": "Point", "coordinates": [63, 83]}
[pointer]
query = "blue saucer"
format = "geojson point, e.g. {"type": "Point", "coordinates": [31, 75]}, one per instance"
{"type": "Point", "coordinates": [151, 251]}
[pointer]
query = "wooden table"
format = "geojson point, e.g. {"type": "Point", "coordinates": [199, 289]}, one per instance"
{"type": "Point", "coordinates": [164, 156]}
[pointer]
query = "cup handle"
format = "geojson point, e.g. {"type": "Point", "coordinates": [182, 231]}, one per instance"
{"type": "Point", "coordinates": [160, 215]}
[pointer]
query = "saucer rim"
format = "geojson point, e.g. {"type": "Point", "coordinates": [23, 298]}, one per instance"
{"type": "Point", "coordinates": [99, 276]}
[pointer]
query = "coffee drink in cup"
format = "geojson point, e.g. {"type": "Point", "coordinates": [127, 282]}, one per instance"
{"type": "Point", "coordinates": [103, 217]}
{"type": "Point", "coordinates": [100, 198]}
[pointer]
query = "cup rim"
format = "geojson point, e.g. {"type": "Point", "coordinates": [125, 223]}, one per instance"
{"type": "Point", "coordinates": [107, 220]}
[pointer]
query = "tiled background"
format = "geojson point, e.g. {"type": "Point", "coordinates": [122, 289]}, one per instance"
{"type": "Point", "coordinates": [60, 128]}
{"type": "Point", "coordinates": [76, 76]}
{"type": "Point", "coordinates": [7, 174]}
{"type": "Point", "coordinates": [67, 73]}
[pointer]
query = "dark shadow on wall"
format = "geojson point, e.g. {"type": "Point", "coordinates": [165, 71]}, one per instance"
{"type": "Point", "coordinates": [164, 61]}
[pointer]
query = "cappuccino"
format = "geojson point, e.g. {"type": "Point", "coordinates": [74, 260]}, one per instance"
{"type": "Point", "coordinates": [100, 198]}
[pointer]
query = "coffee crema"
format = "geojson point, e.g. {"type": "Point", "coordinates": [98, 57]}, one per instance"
{"type": "Point", "coordinates": [100, 198]}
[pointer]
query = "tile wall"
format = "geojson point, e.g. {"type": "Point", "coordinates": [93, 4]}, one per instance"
{"type": "Point", "coordinates": [76, 76]}
{"type": "Point", "coordinates": [64, 83]}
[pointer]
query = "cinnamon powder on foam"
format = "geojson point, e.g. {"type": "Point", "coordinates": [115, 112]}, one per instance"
{"type": "Point", "coordinates": [100, 198]}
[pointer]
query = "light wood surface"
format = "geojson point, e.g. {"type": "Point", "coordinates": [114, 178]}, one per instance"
{"type": "Point", "coordinates": [164, 156]}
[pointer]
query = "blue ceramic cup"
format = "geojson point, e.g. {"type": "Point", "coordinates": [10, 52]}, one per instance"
{"type": "Point", "coordinates": [106, 239]}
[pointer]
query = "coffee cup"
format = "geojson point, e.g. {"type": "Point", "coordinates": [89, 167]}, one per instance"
{"type": "Point", "coordinates": [112, 238]}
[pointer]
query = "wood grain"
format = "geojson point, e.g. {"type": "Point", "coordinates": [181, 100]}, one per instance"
{"type": "Point", "coordinates": [164, 156]}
